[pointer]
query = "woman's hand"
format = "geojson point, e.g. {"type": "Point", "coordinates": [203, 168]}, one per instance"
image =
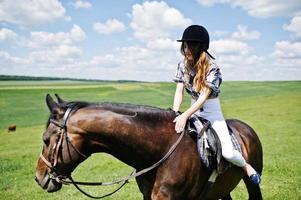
{"type": "Point", "coordinates": [180, 122]}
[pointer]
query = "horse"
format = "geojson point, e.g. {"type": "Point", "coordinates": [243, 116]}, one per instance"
{"type": "Point", "coordinates": [11, 128]}
{"type": "Point", "coordinates": [139, 136]}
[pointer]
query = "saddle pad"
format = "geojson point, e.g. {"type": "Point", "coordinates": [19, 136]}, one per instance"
{"type": "Point", "coordinates": [209, 146]}
{"type": "Point", "coordinates": [234, 140]}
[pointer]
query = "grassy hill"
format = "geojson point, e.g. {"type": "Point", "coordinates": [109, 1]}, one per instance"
{"type": "Point", "coordinates": [273, 109]}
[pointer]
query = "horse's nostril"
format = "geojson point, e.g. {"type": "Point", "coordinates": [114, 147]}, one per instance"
{"type": "Point", "coordinates": [36, 179]}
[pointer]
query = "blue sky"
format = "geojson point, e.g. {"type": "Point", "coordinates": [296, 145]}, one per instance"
{"type": "Point", "coordinates": [136, 40]}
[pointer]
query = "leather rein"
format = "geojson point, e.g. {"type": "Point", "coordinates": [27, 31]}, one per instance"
{"type": "Point", "coordinates": [63, 134]}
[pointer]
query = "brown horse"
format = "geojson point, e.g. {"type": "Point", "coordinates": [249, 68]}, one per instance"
{"type": "Point", "coordinates": [139, 136]}
{"type": "Point", "coordinates": [11, 128]}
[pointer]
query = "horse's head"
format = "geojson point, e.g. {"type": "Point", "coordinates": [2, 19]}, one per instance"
{"type": "Point", "coordinates": [62, 146]}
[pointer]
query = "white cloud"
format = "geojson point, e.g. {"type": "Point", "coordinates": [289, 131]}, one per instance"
{"type": "Point", "coordinates": [108, 60]}
{"type": "Point", "coordinates": [55, 48]}
{"type": "Point", "coordinates": [46, 39]}
{"type": "Point", "coordinates": [261, 8]}
{"type": "Point", "coordinates": [61, 61]}
{"type": "Point", "coordinates": [286, 57]}
{"type": "Point", "coordinates": [55, 55]}
{"type": "Point", "coordinates": [295, 25]}
{"type": "Point", "coordinates": [81, 4]}
{"type": "Point", "coordinates": [125, 56]}
{"type": "Point", "coordinates": [7, 35]}
{"type": "Point", "coordinates": [6, 58]}
{"type": "Point", "coordinates": [285, 61]}
{"type": "Point", "coordinates": [229, 46]}
{"type": "Point", "coordinates": [287, 50]}
{"type": "Point", "coordinates": [77, 34]}
{"type": "Point", "coordinates": [209, 3]}
{"type": "Point", "coordinates": [219, 33]}
{"type": "Point", "coordinates": [235, 57]}
{"type": "Point", "coordinates": [110, 26]}
{"type": "Point", "coordinates": [238, 62]}
{"type": "Point", "coordinates": [243, 34]}
{"type": "Point", "coordinates": [163, 44]}
{"type": "Point", "coordinates": [152, 20]}
{"type": "Point", "coordinates": [138, 63]}
{"type": "Point", "coordinates": [31, 12]}
{"type": "Point", "coordinates": [47, 51]}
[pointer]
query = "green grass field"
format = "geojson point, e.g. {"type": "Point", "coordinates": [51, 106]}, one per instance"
{"type": "Point", "coordinates": [273, 109]}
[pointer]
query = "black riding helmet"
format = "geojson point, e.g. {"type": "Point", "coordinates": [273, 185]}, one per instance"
{"type": "Point", "coordinates": [197, 33]}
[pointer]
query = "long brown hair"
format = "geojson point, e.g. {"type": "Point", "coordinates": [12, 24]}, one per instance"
{"type": "Point", "coordinates": [200, 64]}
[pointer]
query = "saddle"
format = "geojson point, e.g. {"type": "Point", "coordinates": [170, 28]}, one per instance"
{"type": "Point", "coordinates": [209, 145]}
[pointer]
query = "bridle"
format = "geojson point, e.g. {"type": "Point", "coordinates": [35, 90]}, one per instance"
{"type": "Point", "coordinates": [62, 133]}
{"type": "Point", "coordinates": [67, 179]}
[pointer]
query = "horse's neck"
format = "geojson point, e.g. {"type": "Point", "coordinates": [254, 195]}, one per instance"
{"type": "Point", "coordinates": [134, 142]}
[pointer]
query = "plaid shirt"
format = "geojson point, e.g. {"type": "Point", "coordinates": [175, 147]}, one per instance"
{"type": "Point", "coordinates": [213, 80]}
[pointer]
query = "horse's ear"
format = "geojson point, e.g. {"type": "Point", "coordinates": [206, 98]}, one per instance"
{"type": "Point", "coordinates": [52, 105]}
{"type": "Point", "coordinates": [60, 100]}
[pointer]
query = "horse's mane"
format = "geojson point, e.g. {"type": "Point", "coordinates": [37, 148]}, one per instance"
{"type": "Point", "coordinates": [140, 111]}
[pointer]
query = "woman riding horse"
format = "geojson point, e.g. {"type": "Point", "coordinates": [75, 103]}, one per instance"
{"type": "Point", "coordinates": [201, 78]}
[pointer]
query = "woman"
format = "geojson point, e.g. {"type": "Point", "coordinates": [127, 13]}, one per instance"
{"type": "Point", "coordinates": [201, 78]}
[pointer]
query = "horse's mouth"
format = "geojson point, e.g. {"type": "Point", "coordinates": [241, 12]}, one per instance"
{"type": "Point", "coordinates": [53, 186]}
{"type": "Point", "coordinates": [48, 184]}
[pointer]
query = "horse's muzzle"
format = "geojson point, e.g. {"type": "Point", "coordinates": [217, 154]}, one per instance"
{"type": "Point", "coordinates": [48, 184]}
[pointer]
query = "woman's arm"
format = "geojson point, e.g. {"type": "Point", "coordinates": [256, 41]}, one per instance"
{"type": "Point", "coordinates": [181, 120]}
{"type": "Point", "coordinates": [199, 103]}
{"type": "Point", "coordinates": [178, 97]}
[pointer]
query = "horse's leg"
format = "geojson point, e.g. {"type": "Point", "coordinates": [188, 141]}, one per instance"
{"type": "Point", "coordinates": [145, 185]}
{"type": "Point", "coordinates": [253, 190]}
{"type": "Point", "coordinates": [228, 197]}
